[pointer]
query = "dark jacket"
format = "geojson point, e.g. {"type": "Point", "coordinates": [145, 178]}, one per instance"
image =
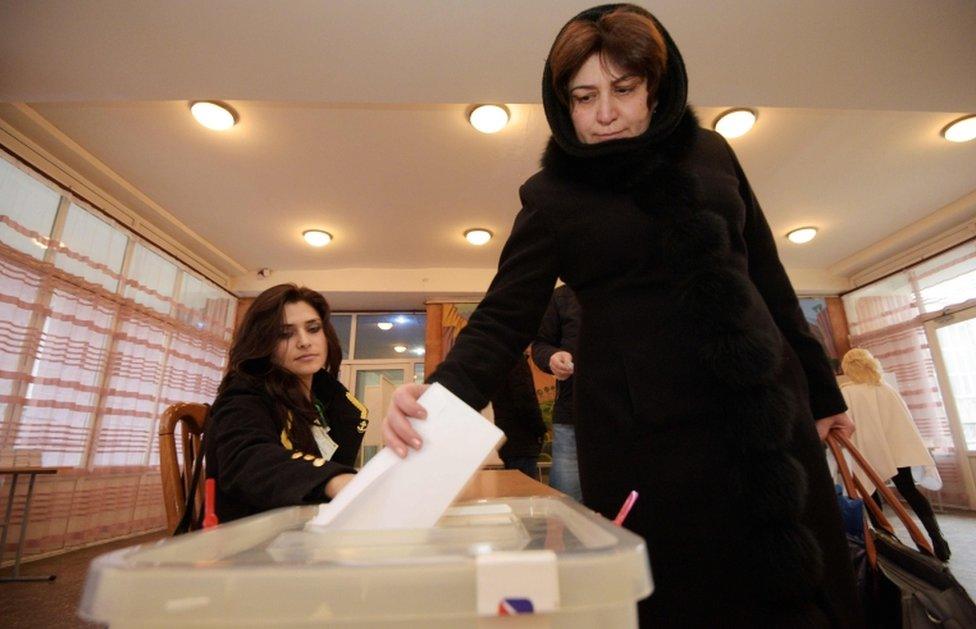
{"type": "Point", "coordinates": [253, 461]}
{"type": "Point", "coordinates": [559, 331]}
{"type": "Point", "coordinates": [517, 413]}
{"type": "Point", "coordinates": [697, 381]}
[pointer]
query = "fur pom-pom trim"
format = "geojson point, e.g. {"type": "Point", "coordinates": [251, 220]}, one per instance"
{"type": "Point", "coordinates": [713, 301]}
{"type": "Point", "coordinates": [741, 359]}
{"type": "Point", "coordinates": [781, 564]}
{"type": "Point", "coordinates": [761, 417]}
{"type": "Point", "coordinates": [697, 241]}
{"type": "Point", "coordinates": [669, 193]}
{"type": "Point", "coordinates": [773, 487]}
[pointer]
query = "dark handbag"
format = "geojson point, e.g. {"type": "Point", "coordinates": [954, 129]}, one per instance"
{"type": "Point", "coordinates": [899, 586]}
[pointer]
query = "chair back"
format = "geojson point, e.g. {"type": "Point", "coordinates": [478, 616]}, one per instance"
{"type": "Point", "coordinates": [177, 478]}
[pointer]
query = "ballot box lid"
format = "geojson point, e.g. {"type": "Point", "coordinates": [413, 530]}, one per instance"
{"type": "Point", "coordinates": [272, 569]}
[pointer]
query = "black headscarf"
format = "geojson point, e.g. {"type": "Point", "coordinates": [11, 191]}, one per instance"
{"type": "Point", "coordinates": [672, 99]}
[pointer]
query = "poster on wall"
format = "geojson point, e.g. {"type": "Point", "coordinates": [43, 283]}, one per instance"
{"type": "Point", "coordinates": [815, 312]}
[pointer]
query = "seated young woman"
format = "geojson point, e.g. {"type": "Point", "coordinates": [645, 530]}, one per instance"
{"type": "Point", "coordinates": [283, 431]}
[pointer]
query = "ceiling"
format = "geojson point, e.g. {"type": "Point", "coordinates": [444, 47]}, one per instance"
{"type": "Point", "coordinates": [352, 118]}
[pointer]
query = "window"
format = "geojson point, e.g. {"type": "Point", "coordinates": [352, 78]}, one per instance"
{"type": "Point", "coordinates": [91, 249]}
{"type": "Point", "coordinates": [402, 338]}
{"type": "Point", "coordinates": [152, 280]}
{"type": "Point", "coordinates": [27, 210]}
{"type": "Point", "coordinates": [343, 327]}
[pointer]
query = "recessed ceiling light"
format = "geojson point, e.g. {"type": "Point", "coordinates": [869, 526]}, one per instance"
{"type": "Point", "coordinates": [317, 237]}
{"type": "Point", "coordinates": [399, 349]}
{"type": "Point", "coordinates": [216, 116]}
{"type": "Point", "coordinates": [962, 130]}
{"type": "Point", "coordinates": [802, 235]}
{"type": "Point", "coordinates": [478, 236]}
{"type": "Point", "coordinates": [735, 122]}
{"type": "Point", "coordinates": [384, 325]}
{"type": "Point", "coordinates": [489, 118]}
{"type": "Point", "coordinates": [419, 351]}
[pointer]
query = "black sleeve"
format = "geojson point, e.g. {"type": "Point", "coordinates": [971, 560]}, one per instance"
{"type": "Point", "coordinates": [548, 338]}
{"type": "Point", "coordinates": [256, 468]}
{"type": "Point", "coordinates": [508, 317]}
{"type": "Point", "coordinates": [768, 275]}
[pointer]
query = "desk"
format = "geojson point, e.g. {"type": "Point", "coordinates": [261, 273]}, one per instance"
{"type": "Point", "coordinates": [16, 472]}
{"type": "Point", "coordinates": [504, 484]}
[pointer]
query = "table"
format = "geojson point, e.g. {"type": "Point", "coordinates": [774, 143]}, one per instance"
{"type": "Point", "coordinates": [16, 472]}
{"type": "Point", "coordinates": [504, 484]}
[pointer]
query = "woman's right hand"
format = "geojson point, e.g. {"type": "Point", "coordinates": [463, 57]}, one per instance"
{"type": "Point", "coordinates": [397, 431]}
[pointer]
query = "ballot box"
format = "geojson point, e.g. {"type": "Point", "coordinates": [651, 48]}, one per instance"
{"type": "Point", "coordinates": [507, 562]}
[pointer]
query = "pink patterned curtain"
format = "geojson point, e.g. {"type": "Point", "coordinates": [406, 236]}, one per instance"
{"type": "Point", "coordinates": [888, 318]}
{"type": "Point", "coordinates": [99, 333]}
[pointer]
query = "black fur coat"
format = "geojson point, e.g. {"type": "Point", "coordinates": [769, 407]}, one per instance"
{"type": "Point", "coordinates": [697, 380]}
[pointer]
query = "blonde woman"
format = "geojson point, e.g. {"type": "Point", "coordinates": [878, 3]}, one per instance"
{"type": "Point", "coordinates": [888, 438]}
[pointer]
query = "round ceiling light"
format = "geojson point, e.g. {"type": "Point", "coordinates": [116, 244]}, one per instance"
{"type": "Point", "coordinates": [384, 325]}
{"type": "Point", "coordinates": [317, 237]}
{"type": "Point", "coordinates": [802, 235]}
{"type": "Point", "coordinates": [489, 118]}
{"type": "Point", "coordinates": [212, 115]}
{"type": "Point", "coordinates": [735, 122]}
{"type": "Point", "coordinates": [962, 130]}
{"type": "Point", "coordinates": [478, 236]}
{"type": "Point", "coordinates": [419, 351]}
{"type": "Point", "coordinates": [399, 349]}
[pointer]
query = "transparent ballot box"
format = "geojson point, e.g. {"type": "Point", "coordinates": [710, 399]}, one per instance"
{"type": "Point", "coordinates": [508, 562]}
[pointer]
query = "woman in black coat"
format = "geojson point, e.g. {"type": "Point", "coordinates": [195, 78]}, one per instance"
{"type": "Point", "coordinates": [698, 381]}
{"type": "Point", "coordinates": [282, 431]}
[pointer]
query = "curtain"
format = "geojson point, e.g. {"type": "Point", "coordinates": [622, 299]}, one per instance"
{"type": "Point", "coordinates": [99, 332]}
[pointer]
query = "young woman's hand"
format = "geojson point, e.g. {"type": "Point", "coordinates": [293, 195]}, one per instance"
{"type": "Point", "coordinates": [336, 483]}
{"type": "Point", "coordinates": [397, 432]}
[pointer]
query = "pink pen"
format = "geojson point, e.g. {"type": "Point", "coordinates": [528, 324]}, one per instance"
{"type": "Point", "coordinates": [624, 510]}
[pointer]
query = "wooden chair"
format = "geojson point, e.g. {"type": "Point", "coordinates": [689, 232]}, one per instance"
{"type": "Point", "coordinates": [176, 481]}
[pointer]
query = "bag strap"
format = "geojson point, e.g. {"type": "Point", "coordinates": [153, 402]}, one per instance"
{"type": "Point", "coordinates": [853, 490]}
{"type": "Point", "coordinates": [188, 509]}
{"type": "Point", "coordinates": [835, 440]}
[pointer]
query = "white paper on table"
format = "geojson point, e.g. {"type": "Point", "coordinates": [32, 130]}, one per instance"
{"type": "Point", "coordinates": [394, 493]}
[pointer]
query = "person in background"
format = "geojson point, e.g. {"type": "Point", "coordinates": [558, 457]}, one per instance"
{"type": "Point", "coordinates": [552, 351]}
{"type": "Point", "coordinates": [517, 413]}
{"type": "Point", "coordinates": [282, 431]}
{"type": "Point", "coordinates": [698, 382]}
{"type": "Point", "coordinates": [889, 439]}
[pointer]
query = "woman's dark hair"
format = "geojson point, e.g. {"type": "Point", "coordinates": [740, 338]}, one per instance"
{"type": "Point", "coordinates": [630, 39]}
{"type": "Point", "coordinates": [251, 354]}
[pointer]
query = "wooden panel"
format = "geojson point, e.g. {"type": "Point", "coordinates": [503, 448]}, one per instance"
{"type": "Point", "coordinates": [243, 305]}
{"type": "Point", "coordinates": [838, 326]}
{"type": "Point", "coordinates": [434, 340]}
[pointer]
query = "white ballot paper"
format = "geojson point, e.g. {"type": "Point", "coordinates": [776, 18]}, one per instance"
{"type": "Point", "coordinates": [394, 493]}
